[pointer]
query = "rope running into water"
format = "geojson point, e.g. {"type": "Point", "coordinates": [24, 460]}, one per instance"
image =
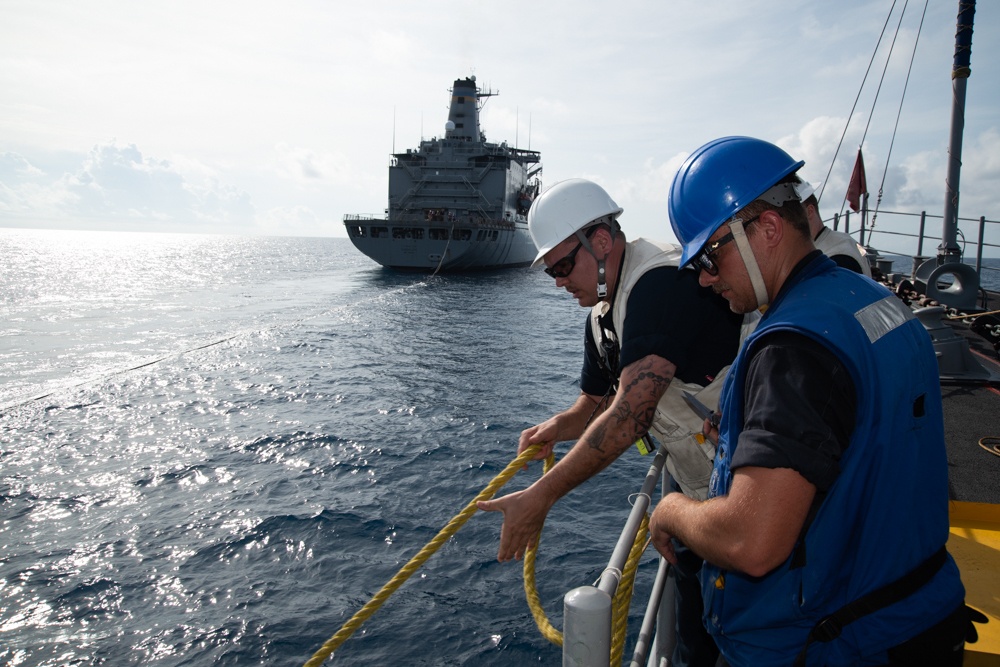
{"type": "Point", "coordinates": [414, 564]}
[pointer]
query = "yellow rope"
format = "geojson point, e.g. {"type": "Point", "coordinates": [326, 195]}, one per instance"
{"type": "Point", "coordinates": [531, 592]}
{"type": "Point", "coordinates": [990, 443]}
{"type": "Point", "coordinates": [620, 604]}
{"type": "Point", "coordinates": [623, 594]}
{"type": "Point", "coordinates": [407, 570]}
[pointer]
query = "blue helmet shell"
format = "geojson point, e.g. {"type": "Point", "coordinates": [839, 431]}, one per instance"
{"type": "Point", "coordinates": [717, 181]}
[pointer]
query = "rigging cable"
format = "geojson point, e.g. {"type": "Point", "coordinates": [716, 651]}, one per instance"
{"type": "Point", "coordinates": [840, 143]}
{"type": "Point", "coordinates": [878, 90]}
{"type": "Point", "coordinates": [899, 112]}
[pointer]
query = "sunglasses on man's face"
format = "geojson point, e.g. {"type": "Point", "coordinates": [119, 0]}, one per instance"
{"type": "Point", "coordinates": [704, 260]}
{"type": "Point", "coordinates": [564, 266]}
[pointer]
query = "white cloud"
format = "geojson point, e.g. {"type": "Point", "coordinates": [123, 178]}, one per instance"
{"type": "Point", "coordinates": [249, 117]}
{"type": "Point", "coordinates": [116, 186]}
{"type": "Point", "coordinates": [291, 221]}
{"type": "Point", "coordinates": [309, 169]}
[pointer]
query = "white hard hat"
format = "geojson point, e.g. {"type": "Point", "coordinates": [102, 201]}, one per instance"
{"type": "Point", "coordinates": [566, 208]}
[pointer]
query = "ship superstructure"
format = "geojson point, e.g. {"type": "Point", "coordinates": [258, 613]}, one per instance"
{"type": "Point", "coordinates": [456, 203]}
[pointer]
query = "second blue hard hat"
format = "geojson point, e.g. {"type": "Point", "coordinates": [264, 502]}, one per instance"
{"type": "Point", "coordinates": [717, 181]}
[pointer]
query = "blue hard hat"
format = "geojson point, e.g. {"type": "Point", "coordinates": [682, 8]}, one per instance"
{"type": "Point", "coordinates": [717, 181]}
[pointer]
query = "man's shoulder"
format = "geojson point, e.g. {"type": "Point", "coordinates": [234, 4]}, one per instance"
{"type": "Point", "coordinates": [834, 243]}
{"type": "Point", "coordinates": [667, 278]}
{"type": "Point", "coordinates": [655, 246]}
{"type": "Point", "coordinates": [833, 234]}
{"type": "Point", "coordinates": [678, 291]}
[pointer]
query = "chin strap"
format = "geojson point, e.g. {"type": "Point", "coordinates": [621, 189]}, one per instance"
{"type": "Point", "coordinates": [753, 270]}
{"type": "Point", "coordinates": [602, 274]}
{"type": "Point", "coordinates": [602, 280]}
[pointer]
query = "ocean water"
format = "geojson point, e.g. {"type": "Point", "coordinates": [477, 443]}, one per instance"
{"type": "Point", "coordinates": [214, 451]}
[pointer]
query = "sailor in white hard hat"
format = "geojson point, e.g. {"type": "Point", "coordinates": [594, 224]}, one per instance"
{"type": "Point", "coordinates": [652, 334]}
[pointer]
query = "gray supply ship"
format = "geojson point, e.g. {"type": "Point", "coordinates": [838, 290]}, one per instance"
{"type": "Point", "coordinates": [458, 203]}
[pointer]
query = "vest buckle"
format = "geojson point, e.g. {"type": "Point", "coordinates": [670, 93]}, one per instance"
{"type": "Point", "coordinates": [827, 629]}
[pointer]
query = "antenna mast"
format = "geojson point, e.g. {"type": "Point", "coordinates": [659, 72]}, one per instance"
{"type": "Point", "coordinates": [949, 251]}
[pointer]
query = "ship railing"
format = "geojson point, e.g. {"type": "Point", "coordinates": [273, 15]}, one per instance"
{"type": "Point", "coordinates": [435, 146]}
{"type": "Point", "coordinates": [357, 217]}
{"type": "Point", "coordinates": [485, 219]}
{"type": "Point", "coordinates": [479, 219]}
{"type": "Point", "coordinates": [587, 610]}
{"type": "Point", "coordinates": [900, 240]}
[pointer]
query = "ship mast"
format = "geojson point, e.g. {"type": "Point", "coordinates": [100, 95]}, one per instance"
{"type": "Point", "coordinates": [463, 113]}
{"type": "Point", "coordinates": [949, 250]}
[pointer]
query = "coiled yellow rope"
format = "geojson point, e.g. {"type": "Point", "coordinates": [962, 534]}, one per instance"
{"type": "Point", "coordinates": [531, 591]}
{"type": "Point", "coordinates": [990, 443]}
{"type": "Point", "coordinates": [414, 564]}
{"type": "Point", "coordinates": [620, 604]}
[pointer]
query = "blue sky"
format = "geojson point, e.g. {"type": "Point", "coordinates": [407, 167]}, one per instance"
{"type": "Point", "coordinates": [268, 118]}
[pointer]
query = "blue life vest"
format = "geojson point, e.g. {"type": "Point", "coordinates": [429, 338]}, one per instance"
{"type": "Point", "coordinates": [884, 515]}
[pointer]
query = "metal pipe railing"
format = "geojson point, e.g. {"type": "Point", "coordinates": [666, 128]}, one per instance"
{"type": "Point", "coordinates": [647, 632]}
{"type": "Point", "coordinates": [587, 609]}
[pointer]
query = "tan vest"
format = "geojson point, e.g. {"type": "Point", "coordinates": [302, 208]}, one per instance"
{"type": "Point", "coordinates": [675, 424]}
{"type": "Point", "coordinates": [838, 243]}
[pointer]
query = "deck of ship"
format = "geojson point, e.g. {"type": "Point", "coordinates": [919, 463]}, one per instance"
{"type": "Point", "coordinates": [972, 425]}
{"type": "Point", "coordinates": [975, 544]}
{"type": "Point", "coordinates": [972, 414]}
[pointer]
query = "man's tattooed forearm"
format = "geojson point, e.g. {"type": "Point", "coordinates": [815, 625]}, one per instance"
{"type": "Point", "coordinates": [632, 412]}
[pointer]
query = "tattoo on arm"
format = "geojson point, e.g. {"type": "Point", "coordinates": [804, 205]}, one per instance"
{"type": "Point", "coordinates": [632, 410]}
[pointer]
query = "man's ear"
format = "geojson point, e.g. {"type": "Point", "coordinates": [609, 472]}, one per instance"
{"type": "Point", "coordinates": [601, 240]}
{"type": "Point", "coordinates": [771, 227]}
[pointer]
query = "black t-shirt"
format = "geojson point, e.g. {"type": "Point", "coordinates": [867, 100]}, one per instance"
{"type": "Point", "coordinates": [800, 405]}
{"type": "Point", "coordinates": [670, 315]}
{"type": "Point", "coordinates": [799, 408]}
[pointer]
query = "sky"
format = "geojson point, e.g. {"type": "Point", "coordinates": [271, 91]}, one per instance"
{"type": "Point", "coordinates": [279, 118]}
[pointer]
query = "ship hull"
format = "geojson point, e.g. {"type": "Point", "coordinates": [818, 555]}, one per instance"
{"type": "Point", "coordinates": [456, 203]}
{"type": "Point", "coordinates": [453, 249]}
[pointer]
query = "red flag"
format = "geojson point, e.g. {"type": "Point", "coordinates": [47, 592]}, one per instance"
{"type": "Point", "coordinates": [858, 185]}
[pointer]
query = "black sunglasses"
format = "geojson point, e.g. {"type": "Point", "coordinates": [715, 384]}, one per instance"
{"type": "Point", "coordinates": [703, 260]}
{"type": "Point", "coordinates": [565, 266]}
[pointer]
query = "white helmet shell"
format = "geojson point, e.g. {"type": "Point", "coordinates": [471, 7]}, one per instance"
{"type": "Point", "coordinates": [566, 208]}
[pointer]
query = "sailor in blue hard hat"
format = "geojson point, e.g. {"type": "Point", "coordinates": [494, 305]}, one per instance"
{"type": "Point", "coordinates": [831, 420]}
{"type": "Point", "coordinates": [713, 190]}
